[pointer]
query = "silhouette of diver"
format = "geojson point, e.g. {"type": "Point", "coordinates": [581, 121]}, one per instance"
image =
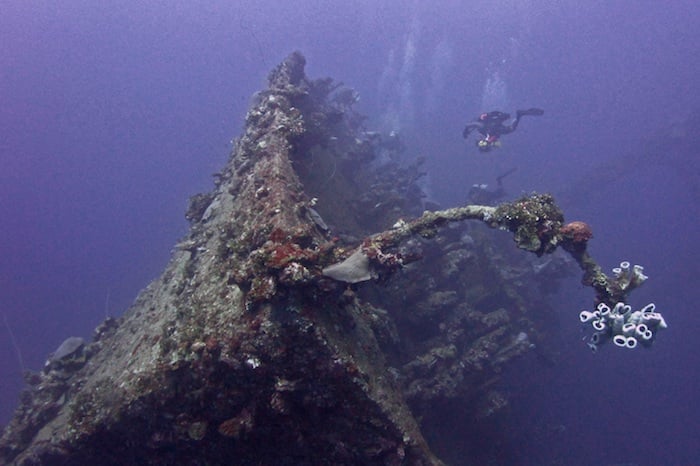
{"type": "Point", "coordinates": [491, 126]}
{"type": "Point", "coordinates": [480, 194]}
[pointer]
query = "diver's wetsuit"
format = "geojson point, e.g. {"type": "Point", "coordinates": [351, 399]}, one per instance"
{"type": "Point", "coordinates": [491, 125]}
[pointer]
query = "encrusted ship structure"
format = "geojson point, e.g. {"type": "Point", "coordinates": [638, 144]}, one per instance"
{"type": "Point", "coordinates": [316, 313]}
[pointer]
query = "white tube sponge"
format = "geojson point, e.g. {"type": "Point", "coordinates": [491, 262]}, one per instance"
{"type": "Point", "coordinates": [653, 320]}
{"type": "Point", "coordinates": [628, 277]}
{"type": "Point", "coordinates": [628, 329]}
{"type": "Point", "coordinates": [620, 340]}
{"type": "Point", "coordinates": [598, 338]}
{"type": "Point", "coordinates": [622, 308]}
{"type": "Point", "coordinates": [651, 307]}
{"type": "Point", "coordinates": [634, 317]}
{"type": "Point", "coordinates": [625, 327]}
{"type": "Point", "coordinates": [662, 322]}
{"type": "Point", "coordinates": [638, 275]}
{"type": "Point", "coordinates": [625, 342]}
{"type": "Point", "coordinates": [640, 330]}
{"type": "Point", "coordinates": [599, 325]}
{"type": "Point", "coordinates": [646, 339]}
{"type": "Point", "coordinates": [616, 323]}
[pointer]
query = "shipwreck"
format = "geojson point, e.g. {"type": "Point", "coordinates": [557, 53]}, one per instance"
{"type": "Point", "coordinates": [318, 311]}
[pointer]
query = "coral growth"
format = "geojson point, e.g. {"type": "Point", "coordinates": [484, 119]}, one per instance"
{"type": "Point", "coordinates": [577, 231]}
{"type": "Point", "coordinates": [535, 221]}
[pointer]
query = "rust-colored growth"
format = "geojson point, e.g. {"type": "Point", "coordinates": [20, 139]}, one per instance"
{"type": "Point", "coordinates": [278, 235]}
{"type": "Point", "coordinates": [212, 345]}
{"type": "Point", "coordinates": [282, 254]}
{"type": "Point", "coordinates": [577, 231]}
{"type": "Point", "coordinates": [238, 425]}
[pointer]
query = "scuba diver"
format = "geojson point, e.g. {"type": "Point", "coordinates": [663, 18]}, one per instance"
{"type": "Point", "coordinates": [480, 194]}
{"type": "Point", "coordinates": [491, 126]}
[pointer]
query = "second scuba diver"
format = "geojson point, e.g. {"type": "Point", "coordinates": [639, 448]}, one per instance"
{"type": "Point", "coordinates": [492, 125]}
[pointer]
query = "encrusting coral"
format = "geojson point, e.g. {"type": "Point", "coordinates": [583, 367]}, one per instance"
{"type": "Point", "coordinates": [579, 232]}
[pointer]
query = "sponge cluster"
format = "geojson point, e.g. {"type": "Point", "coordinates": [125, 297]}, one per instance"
{"type": "Point", "coordinates": [626, 329]}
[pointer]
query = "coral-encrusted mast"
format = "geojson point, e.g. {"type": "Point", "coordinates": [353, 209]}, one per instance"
{"type": "Point", "coordinates": [537, 225]}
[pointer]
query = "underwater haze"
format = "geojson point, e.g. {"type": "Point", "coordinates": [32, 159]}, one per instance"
{"type": "Point", "coordinates": [112, 114]}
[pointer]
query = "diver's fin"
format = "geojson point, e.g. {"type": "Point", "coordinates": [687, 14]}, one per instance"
{"type": "Point", "coordinates": [531, 111]}
{"type": "Point", "coordinates": [500, 177]}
